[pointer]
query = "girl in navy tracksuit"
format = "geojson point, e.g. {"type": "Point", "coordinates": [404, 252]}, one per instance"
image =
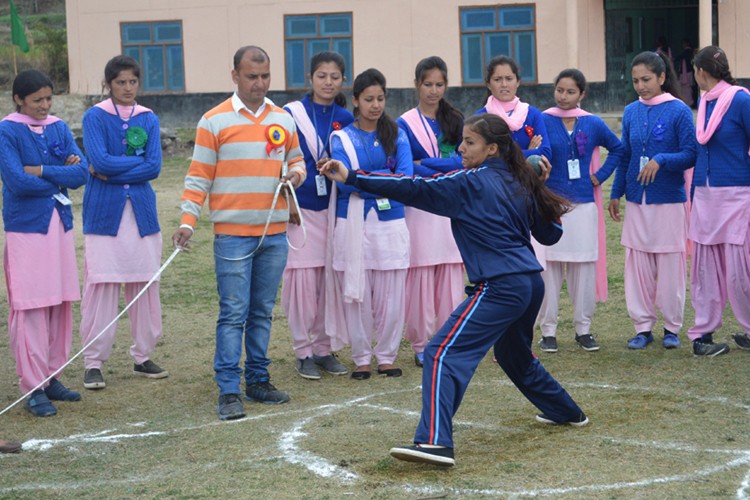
{"type": "Point", "coordinates": [493, 205]}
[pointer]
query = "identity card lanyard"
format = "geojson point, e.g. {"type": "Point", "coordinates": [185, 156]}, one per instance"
{"type": "Point", "coordinates": [429, 132]}
{"type": "Point", "coordinates": [574, 164]}
{"type": "Point", "coordinates": [644, 142]}
{"type": "Point", "coordinates": [320, 180]}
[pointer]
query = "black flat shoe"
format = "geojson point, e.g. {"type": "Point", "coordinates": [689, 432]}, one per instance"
{"type": "Point", "coordinates": [360, 375]}
{"type": "Point", "coordinates": [390, 372]}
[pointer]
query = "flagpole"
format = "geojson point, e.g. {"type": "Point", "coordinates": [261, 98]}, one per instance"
{"type": "Point", "coordinates": [15, 66]}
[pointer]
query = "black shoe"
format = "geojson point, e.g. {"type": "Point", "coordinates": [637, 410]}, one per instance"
{"type": "Point", "coordinates": [390, 372]}
{"type": "Point", "coordinates": [578, 421]}
{"type": "Point", "coordinates": [149, 369]}
{"type": "Point", "coordinates": [357, 375]}
{"type": "Point", "coordinates": [433, 456]}
{"type": "Point", "coordinates": [230, 407]}
{"type": "Point", "coordinates": [548, 344]}
{"type": "Point", "coordinates": [265, 392]}
{"type": "Point", "coordinates": [701, 348]}
{"type": "Point", "coordinates": [419, 359]}
{"type": "Point", "coordinates": [587, 342]}
{"type": "Point", "coordinates": [742, 341]}
{"type": "Point", "coordinates": [93, 379]}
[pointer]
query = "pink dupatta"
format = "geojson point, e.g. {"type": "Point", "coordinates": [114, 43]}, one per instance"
{"type": "Point", "coordinates": [354, 271]}
{"type": "Point", "coordinates": [123, 111]}
{"type": "Point", "coordinates": [724, 94]}
{"type": "Point", "coordinates": [520, 111]}
{"type": "Point", "coordinates": [28, 120]}
{"type": "Point", "coordinates": [422, 132]}
{"type": "Point", "coordinates": [602, 287]}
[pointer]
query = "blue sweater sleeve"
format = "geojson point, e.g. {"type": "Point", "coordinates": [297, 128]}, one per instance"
{"type": "Point", "coordinates": [618, 186]}
{"type": "Point", "coordinates": [536, 120]}
{"type": "Point", "coordinates": [684, 157]}
{"type": "Point", "coordinates": [14, 177]}
{"type": "Point", "coordinates": [150, 168]}
{"type": "Point", "coordinates": [444, 165]}
{"type": "Point", "coordinates": [439, 195]}
{"type": "Point", "coordinates": [69, 176]}
{"type": "Point", "coordinates": [615, 151]}
{"type": "Point", "coordinates": [95, 141]}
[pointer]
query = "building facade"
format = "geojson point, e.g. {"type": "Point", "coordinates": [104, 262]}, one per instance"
{"type": "Point", "coordinates": [186, 46]}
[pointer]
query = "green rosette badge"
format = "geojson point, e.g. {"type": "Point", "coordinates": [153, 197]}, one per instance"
{"type": "Point", "coordinates": [136, 138]}
{"type": "Point", "coordinates": [447, 150]}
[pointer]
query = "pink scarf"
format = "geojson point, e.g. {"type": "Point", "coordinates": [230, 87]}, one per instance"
{"type": "Point", "coordinates": [422, 131]}
{"type": "Point", "coordinates": [659, 99]}
{"type": "Point", "coordinates": [28, 120]}
{"type": "Point", "coordinates": [124, 111]}
{"type": "Point", "coordinates": [354, 270]}
{"type": "Point", "coordinates": [602, 287]}
{"type": "Point", "coordinates": [723, 93]}
{"type": "Point", "coordinates": [520, 111]}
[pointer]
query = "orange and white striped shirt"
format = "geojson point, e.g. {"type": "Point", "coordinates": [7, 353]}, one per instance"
{"type": "Point", "coordinates": [233, 166]}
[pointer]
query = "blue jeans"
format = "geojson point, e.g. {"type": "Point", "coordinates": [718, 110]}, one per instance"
{"type": "Point", "coordinates": [247, 293]}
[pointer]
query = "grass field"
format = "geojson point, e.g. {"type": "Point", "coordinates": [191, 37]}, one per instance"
{"type": "Point", "coordinates": [663, 423]}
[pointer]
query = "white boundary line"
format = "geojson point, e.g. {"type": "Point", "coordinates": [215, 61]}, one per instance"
{"type": "Point", "coordinates": [288, 444]}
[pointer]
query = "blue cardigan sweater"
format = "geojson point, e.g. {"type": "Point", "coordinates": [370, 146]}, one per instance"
{"type": "Point", "coordinates": [325, 117]}
{"type": "Point", "coordinates": [423, 168]}
{"type": "Point", "coordinates": [723, 160]}
{"type": "Point", "coordinates": [127, 176]}
{"type": "Point", "coordinates": [592, 132]}
{"type": "Point", "coordinates": [28, 200]}
{"type": "Point", "coordinates": [664, 133]}
{"type": "Point", "coordinates": [491, 214]}
{"type": "Point", "coordinates": [372, 159]}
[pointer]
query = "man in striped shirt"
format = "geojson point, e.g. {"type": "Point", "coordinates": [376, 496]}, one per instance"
{"type": "Point", "coordinates": [244, 147]}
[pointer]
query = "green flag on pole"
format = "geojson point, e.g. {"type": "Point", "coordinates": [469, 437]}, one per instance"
{"type": "Point", "coordinates": [17, 33]}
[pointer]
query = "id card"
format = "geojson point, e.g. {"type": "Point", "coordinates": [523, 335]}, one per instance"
{"type": "Point", "coordinates": [64, 200]}
{"type": "Point", "coordinates": [383, 203]}
{"type": "Point", "coordinates": [320, 185]}
{"type": "Point", "coordinates": [644, 160]}
{"type": "Point", "coordinates": [574, 169]}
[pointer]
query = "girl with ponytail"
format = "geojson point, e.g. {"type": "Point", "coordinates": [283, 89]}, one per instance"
{"type": "Point", "coordinates": [370, 241]}
{"type": "Point", "coordinates": [659, 139]}
{"type": "Point", "coordinates": [435, 280]}
{"type": "Point", "coordinates": [720, 219]}
{"type": "Point", "coordinates": [495, 204]}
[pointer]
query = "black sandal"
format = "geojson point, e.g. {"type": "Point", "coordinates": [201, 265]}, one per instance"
{"type": "Point", "coordinates": [361, 375]}
{"type": "Point", "coordinates": [390, 372]}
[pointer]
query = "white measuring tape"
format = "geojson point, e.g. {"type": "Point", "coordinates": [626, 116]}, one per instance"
{"type": "Point", "coordinates": [156, 276]}
{"type": "Point", "coordinates": [143, 290]}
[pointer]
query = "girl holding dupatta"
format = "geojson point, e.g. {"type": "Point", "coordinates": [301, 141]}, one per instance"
{"type": "Point", "coordinates": [580, 255]}
{"type": "Point", "coordinates": [435, 280]}
{"type": "Point", "coordinates": [659, 139]}
{"type": "Point", "coordinates": [720, 218]}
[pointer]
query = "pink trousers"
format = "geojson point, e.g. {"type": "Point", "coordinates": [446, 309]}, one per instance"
{"type": "Point", "coordinates": [40, 340]}
{"type": "Point", "coordinates": [381, 312]}
{"type": "Point", "coordinates": [432, 293]}
{"type": "Point", "coordinates": [303, 299]}
{"type": "Point", "coordinates": [655, 281]}
{"type": "Point", "coordinates": [581, 278]}
{"type": "Point", "coordinates": [719, 272]}
{"type": "Point", "coordinates": [99, 306]}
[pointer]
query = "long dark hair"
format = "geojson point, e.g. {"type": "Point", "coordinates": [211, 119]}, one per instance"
{"type": "Point", "coordinates": [450, 119]}
{"type": "Point", "coordinates": [386, 128]}
{"type": "Point", "coordinates": [329, 57]}
{"type": "Point", "coordinates": [713, 60]}
{"type": "Point", "coordinates": [660, 63]}
{"type": "Point", "coordinates": [494, 130]}
{"type": "Point", "coordinates": [30, 81]}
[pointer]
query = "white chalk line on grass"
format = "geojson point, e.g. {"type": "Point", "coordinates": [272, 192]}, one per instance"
{"type": "Point", "coordinates": [292, 452]}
